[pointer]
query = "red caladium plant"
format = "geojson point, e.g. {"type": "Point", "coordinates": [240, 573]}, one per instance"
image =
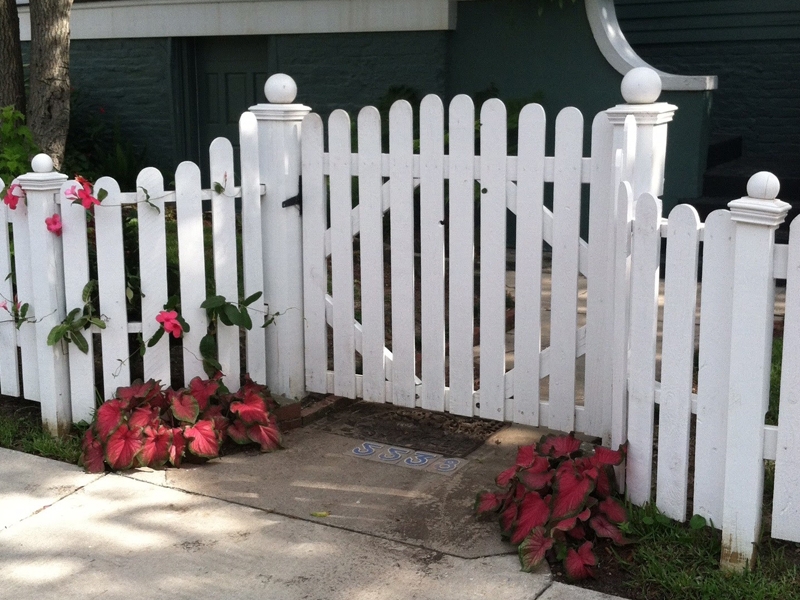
{"type": "Point", "coordinates": [557, 500]}
{"type": "Point", "coordinates": [146, 425]}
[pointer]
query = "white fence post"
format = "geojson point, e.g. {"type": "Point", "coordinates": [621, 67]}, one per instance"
{"type": "Point", "coordinates": [640, 88]}
{"type": "Point", "coordinates": [279, 167]}
{"type": "Point", "coordinates": [756, 217]}
{"type": "Point", "coordinates": [48, 307]}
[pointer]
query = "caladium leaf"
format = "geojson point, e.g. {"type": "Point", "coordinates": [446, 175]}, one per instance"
{"type": "Point", "coordinates": [559, 446]}
{"type": "Point", "coordinates": [535, 481]}
{"type": "Point", "coordinates": [202, 439]}
{"type": "Point", "coordinates": [578, 532]}
{"type": "Point", "coordinates": [570, 491]}
{"type": "Point", "coordinates": [143, 416]}
{"type": "Point", "coordinates": [613, 510]}
{"type": "Point", "coordinates": [604, 483]}
{"type": "Point", "coordinates": [184, 406]}
{"type": "Point", "coordinates": [177, 448]}
{"type": "Point", "coordinates": [604, 456]}
{"type": "Point", "coordinates": [238, 432]}
{"type": "Point", "coordinates": [251, 409]}
{"type": "Point", "coordinates": [566, 524]}
{"type": "Point", "coordinates": [138, 393]}
{"type": "Point", "coordinates": [508, 517]}
{"type": "Point", "coordinates": [533, 513]}
{"type": "Point", "coordinates": [92, 457]}
{"type": "Point", "coordinates": [221, 424]}
{"type": "Point", "coordinates": [579, 564]}
{"type": "Point", "coordinates": [533, 549]}
{"type": "Point", "coordinates": [503, 478]}
{"type": "Point", "coordinates": [155, 450]}
{"type": "Point", "coordinates": [122, 447]}
{"type": "Point", "coordinates": [202, 390]}
{"type": "Point", "coordinates": [109, 417]}
{"type": "Point", "coordinates": [603, 528]}
{"type": "Point", "coordinates": [267, 436]}
{"type": "Point", "coordinates": [488, 502]}
{"type": "Point", "coordinates": [526, 455]}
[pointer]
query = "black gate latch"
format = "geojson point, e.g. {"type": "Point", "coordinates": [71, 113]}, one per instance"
{"type": "Point", "coordinates": [296, 200]}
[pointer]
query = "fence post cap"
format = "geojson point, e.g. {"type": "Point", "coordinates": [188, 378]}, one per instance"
{"type": "Point", "coordinates": [280, 89]}
{"type": "Point", "coordinates": [42, 163]}
{"type": "Point", "coordinates": [764, 186]}
{"type": "Point", "coordinates": [641, 85]}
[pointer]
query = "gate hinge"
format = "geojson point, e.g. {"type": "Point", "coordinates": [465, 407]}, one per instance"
{"type": "Point", "coordinates": [295, 200]}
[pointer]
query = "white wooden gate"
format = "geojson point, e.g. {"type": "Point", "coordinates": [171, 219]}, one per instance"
{"type": "Point", "coordinates": [446, 184]}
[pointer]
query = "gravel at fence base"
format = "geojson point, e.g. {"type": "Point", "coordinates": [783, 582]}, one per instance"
{"type": "Point", "coordinates": [445, 434]}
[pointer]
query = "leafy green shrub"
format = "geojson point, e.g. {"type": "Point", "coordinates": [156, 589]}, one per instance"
{"type": "Point", "coordinates": [16, 145]}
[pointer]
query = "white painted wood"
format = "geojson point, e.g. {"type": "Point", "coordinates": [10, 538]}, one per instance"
{"type": "Point", "coordinates": [528, 283]}
{"type": "Point", "coordinates": [9, 364]}
{"type": "Point", "coordinates": [26, 334]}
{"type": "Point", "coordinates": [153, 270]}
{"type": "Point", "coordinates": [76, 276]}
{"type": "Point", "coordinates": [48, 284]}
{"type": "Point", "coordinates": [493, 260]}
{"type": "Point", "coordinates": [252, 258]}
{"type": "Point", "coordinates": [564, 298]}
{"type": "Point", "coordinates": [716, 300]}
{"type": "Point", "coordinates": [645, 267]}
{"type": "Point", "coordinates": [461, 273]}
{"type": "Point", "coordinates": [191, 258]}
{"type": "Point", "coordinates": [315, 271]}
{"type": "Point", "coordinates": [680, 298]}
{"type": "Point", "coordinates": [786, 497]}
{"type": "Point", "coordinates": [342, 254]}
{"type": "Point", "coordinates": [223, 215]}
{"type": "Point", "coordinates": [401, 191]}
{"type": "Point", "coordinates": [432, 249]}
{"type": "Point", "coordinates": [600, 282]}
{"type": "Point", "coordinates": [373, 300]}
{"type": "Point", "coordinates": [111, 284]}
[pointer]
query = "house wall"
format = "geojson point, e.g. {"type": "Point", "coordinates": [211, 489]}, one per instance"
{"type": "Point", "coordinates": [754, 49]}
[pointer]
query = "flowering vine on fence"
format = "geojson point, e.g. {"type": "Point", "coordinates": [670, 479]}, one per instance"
{"type": "Point", "coordinates": [83, 195]}
{"type": "Point", "coordinates": [12, 196]}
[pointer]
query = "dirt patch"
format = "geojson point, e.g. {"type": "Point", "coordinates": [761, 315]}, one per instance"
{"type": "Point", "coordinates": [442, 433]}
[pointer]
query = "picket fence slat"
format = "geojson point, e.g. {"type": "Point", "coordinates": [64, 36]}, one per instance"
{"type": "Point", "coordinates": [461, 218]}
{"type": "Point", "coordinates": [432, 251]}
{"type": "Point", "coordinates": [493, 260]}
{"type": "Point", "coordinates": [599, 280]}
{"type": "Point", "coordinates": [401, 192]}
{"type": "Point", "coordinates": [315, 270]}
{"type": "Point", "coordinates": [191, 258]}
{"type": "Point", "coordinates": [645, 267]}
{"type": "Point", "coordinates": [716, 305]}
{"type": "Point", "coordinates": [26, 333]}
{"type": "Point", "coordinates": [153, 270]}
{"type": "Point", "coordinates": [680, 299]}
{"type": "Point", "coordinates": [528, 282]}
{"type": "Point", "coordinates": [9, 364]}
{"type": "Point", "coordinates": [786, 497]}
{"type": "Point", "coordinates": [564, 298]}
{"type": "Point", "coordinates": [111, 287]}
{"type": "Point", "coordinates": [252, 253]}
{"type": "Point", "coordinates": [344, 345]}
{"type": "Point", "coordinates": [76, 276]}
{"type": "Point", "coordinates": [223, 220]}
{"type": "Point", "coordinates": [372, 270]}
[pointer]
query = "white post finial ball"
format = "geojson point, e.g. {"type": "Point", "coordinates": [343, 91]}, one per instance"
{"type": "Point", "coordinates": [763, 186]}
{"type": "Point", "coordinates": [641, 85]}
{"type": "Point", "coordinates": [280, 89]}
{"type": "Point", "coordinates": [42, 163]}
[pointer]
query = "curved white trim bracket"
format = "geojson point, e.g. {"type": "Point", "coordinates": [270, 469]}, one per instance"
{"type": "Point", "coordinates": [618, 52]}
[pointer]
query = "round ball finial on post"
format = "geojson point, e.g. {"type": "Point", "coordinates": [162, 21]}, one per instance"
{"type": "Point", "coordinates": [763, 186]}
{"type": "Point", "coordinates": [280, 89]}
{"type": "Point", "coordinates": [42, 163]}
{"type": "Point", "coordinates": [641, 85]}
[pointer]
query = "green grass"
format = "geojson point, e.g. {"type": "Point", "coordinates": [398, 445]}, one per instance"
{"type": "Point", "coordinates": [672, 560]}
{"type": "Point", "coordinates": [22, 431]}
{"type": "Point", "coordinates": [775, 382]}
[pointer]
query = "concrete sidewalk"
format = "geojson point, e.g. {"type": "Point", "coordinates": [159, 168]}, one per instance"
{"type": "Point", "coordinates": [241, 527]}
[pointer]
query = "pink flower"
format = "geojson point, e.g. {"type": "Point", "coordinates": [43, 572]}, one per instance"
{"type": "Point", "coordinates": [82, 194]}
{"type": "Point", "coordinates": [54, 224]}
{"type": "Point", "coordinates": [4, 305]}
{"type": "Point", "coordinates": [169, 320]}
{"type": "Point", "coordinates": [13, 194]}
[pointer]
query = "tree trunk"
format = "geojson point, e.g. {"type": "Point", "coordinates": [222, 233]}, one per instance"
{"type": "Point", "coordinates": [12, 79]}
{"type": "Point", "coordinates": [48, 109]}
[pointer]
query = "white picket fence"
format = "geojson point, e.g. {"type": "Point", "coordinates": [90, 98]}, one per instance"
{"type": "Point", "coordinates": [306, 268]}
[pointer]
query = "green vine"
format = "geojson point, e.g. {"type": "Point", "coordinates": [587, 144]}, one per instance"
{"type": "Point", "coordinates": [231, 314]}
{"type": "Point", "coordinates": [77, 321]}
